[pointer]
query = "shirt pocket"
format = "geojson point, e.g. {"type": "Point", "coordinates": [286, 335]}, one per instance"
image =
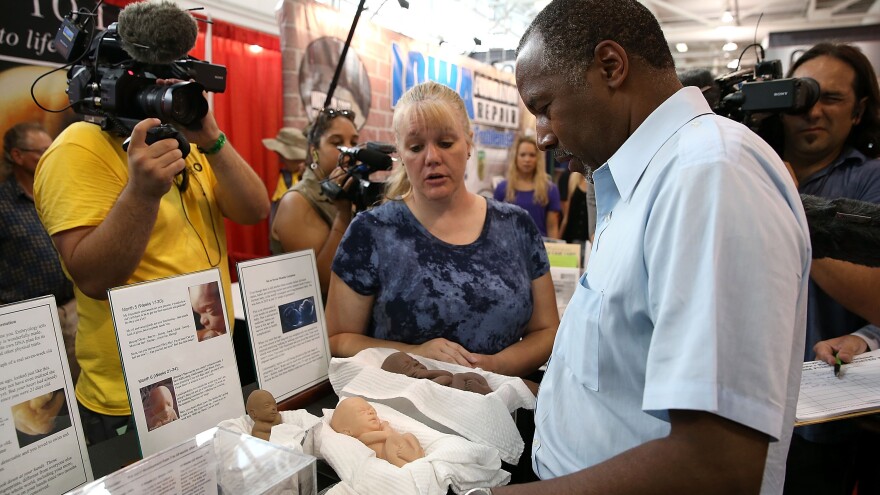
{"type": "Point", "coordinates": [578, 338]}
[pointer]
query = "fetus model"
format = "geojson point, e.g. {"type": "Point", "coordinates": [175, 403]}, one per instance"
{"type": "Point", "coordinates": [355, 417]}
{"type": "Point", "coordinates": [160, 408]}
{"type": "Point", "coordinates": [263, 409]}
{"type": "Point", "coordinates": [404, 364]}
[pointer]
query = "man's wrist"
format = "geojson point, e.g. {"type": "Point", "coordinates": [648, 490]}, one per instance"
{"type": "Point", "coordinates": [214, 147]}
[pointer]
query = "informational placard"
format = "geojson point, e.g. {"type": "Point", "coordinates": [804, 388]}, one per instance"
{"type": "Point", "coordinates": [42, 446]}
{"type": "Point", "coordinates": [565, 270]}
{"type": "Point", "coordinates": [177, 356]}
{"type": "Point", "coordinates": [285, 315]}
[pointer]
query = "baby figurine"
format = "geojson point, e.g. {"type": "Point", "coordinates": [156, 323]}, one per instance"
{"type": "Point", "coordinates": [263, 409]}
{"type": "Point", "coordinates": [404, 364]}
{"type": "Point", "coordinates": [160, 408]}
{"type": "Point", "coordinates": [356, 418]}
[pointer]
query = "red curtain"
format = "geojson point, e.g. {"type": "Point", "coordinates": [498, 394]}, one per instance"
{"type": "Point", "coordinates": [249, 110]}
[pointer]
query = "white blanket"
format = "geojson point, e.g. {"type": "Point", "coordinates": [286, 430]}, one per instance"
{"type": "Point", "coordinates": [484, 419]}
{"type": "Point", "coordinates": [449, 461]}
{"type": "Point", "coordinates": [293, 432]}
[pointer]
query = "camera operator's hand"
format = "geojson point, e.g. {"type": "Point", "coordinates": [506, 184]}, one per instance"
{"type": "Point", "coordinates": [151, 168]}
{"type": "Point", "coordinates": [342, 202]}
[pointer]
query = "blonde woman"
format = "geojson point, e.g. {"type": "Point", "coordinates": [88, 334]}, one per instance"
{"type": "Point", "coordinates": [437, 270]}
{"type": "Point", "coordinates": [528, 186]}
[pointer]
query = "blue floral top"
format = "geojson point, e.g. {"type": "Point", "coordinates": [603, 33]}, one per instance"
{"type": "Point", "coordinates": [478, 295]}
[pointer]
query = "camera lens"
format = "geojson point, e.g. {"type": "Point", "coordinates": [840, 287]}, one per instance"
{"type": "Point", "coordinates": [182, 102]}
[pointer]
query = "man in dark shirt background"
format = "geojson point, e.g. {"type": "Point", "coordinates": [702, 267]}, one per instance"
{"type": "Point", "coordinates": [29, 264]}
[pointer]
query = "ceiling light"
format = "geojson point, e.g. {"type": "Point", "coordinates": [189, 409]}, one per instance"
{"type": "Point", "coordinates": [255, 48]}
{"type": "Point", "coordinates": [681, 47]}
{"type": "Point", "coordinates": [729, 46]}
{"type": "Point", "coordinates": [727, 17]}
{"type": "Point", "coordinates": [733, 64]}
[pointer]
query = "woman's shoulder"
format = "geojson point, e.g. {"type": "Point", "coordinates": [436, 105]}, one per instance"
{"type": "Point", "coordinates": [506, 211]}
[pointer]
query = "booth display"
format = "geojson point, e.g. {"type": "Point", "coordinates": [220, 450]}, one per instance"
{"type": "Point", "coordinates": [42, 446]}
{"type": "Point", "coordinates": [213, 462]}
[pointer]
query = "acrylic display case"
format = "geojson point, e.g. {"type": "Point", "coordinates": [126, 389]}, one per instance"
{"type": "Point", "coordinates": [217, 461]}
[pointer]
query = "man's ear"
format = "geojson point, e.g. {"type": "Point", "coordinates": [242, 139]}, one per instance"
{"type": "Point", "coordinates": [15, 156]}
{"type": "Point", "coordinates": [612, 61]}
{"type": "Point", "coordinates": [859, 110]}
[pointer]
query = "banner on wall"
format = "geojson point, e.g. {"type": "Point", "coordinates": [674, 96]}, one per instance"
{"type": "Point", "coordinates": [27, 51]}
{"type": "Point", "coordinates": [489, 100]}
{"type": "Point", "coordinates": [316, 73]}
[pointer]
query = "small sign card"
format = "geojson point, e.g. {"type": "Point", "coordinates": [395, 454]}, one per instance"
{"type": "Point", "coordinates": [285, 315]}
{"type": "Point", "coordinates": [177, 356]}
{"type": "Point", "coordinates": [42, 446]}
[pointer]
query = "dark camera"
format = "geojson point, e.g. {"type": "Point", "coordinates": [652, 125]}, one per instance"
{"type": "Point", "coordinates": [112, 89]}
{"type": "Point", "coordinates": [763, 90]}
{"type": "Point", "coordinates": [757, 97]}
{"type": "Point", "coordinates": [359, 162]}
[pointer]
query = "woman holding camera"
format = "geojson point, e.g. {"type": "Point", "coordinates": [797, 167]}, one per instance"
{"type": "Point", "coordinates": [306, 218]}
{"type": "Point", "coordinates": [439, 271]}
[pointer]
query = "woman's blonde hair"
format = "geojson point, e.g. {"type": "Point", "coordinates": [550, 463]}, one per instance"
{"type": "Point", "coordinates": [540, 179]}
{"type": "Point", "coordinates": [428, 104]}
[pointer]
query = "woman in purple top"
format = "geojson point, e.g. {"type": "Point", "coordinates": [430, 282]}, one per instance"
{"type": "Point", "coordinates": [528, 186]}
{"type": "Point", "coordinates": [439, 271]}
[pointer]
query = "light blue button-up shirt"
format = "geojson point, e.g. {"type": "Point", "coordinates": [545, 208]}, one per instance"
{"type": "Point", "coordinates": [694, 298]}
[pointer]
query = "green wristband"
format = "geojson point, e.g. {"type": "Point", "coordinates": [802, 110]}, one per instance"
{"type": "Point", "coordinates": [217, 146]}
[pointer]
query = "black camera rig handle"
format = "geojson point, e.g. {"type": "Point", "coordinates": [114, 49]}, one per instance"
{"type": "Point", "coordinates": [165, 131]}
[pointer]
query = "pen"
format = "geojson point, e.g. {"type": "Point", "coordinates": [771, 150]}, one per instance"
{"type": "Point", "coordinates": [837, 363]}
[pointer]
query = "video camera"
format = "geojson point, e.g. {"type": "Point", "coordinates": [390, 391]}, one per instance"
{"type": "Point", "coordinates": [756, 97]}
{"type": "Point", "coordinates": [359, 162]}
{"type": "Point", "coordinates": [114, 90]}
{"type": "Point", "coordinates": [763, 89]}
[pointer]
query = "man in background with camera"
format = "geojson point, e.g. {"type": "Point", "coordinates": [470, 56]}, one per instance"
{"type": "Point", "coordinates": [832, 149]}
{"type": "Point", "coordinates": [120, 217]}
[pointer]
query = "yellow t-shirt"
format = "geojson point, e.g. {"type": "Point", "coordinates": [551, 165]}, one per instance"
{"type": "Point", "coordinates": [281, 187]}
{"type": "Point", "coordinates": [76, 184]}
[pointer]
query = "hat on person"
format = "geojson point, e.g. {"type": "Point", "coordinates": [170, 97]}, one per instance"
{"type": "Point", "coordinates": [289, 143]}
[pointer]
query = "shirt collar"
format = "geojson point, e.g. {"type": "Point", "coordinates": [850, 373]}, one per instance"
{"type": "Point", "coordinates": [16, 188]}
{"type": "Point", "coordinates": [630, 161]}
{"type": "Point", "coordinates": [848, 155]}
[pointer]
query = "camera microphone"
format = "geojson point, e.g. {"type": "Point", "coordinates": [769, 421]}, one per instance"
{"type": "Point", "coordinates": [156, 33]}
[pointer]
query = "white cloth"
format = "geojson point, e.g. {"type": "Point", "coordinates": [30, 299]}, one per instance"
{"type": "Point", "coordinates": [293, 432]}
{"type": "Point", "coordinates": [449, 461]}
{"type": "Point", "coordinates": [483, 419]}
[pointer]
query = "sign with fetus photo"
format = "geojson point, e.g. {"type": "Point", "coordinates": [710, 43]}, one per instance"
{"type": "Point", "coordinates": [42, 446]}
{"type": "Point", "coordinates": [281, 299]}
{"type": "Point", "coordinates": [177, 356]}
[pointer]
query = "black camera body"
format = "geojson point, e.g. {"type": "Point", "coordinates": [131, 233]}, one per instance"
{"type": "Point", "coordinates": [112, 89]}
{"type": "Point", "coordinates": [359, 163]}
{"type": "Point", "coordinates": [757, 97]}
{"type": "Point", "coordinates": [747, 92]}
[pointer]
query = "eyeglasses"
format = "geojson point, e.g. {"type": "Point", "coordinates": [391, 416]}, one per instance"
{"type": "Point", "coordinates": [332, 113]}
{"type": "Point", "coordinates": [32, 150]}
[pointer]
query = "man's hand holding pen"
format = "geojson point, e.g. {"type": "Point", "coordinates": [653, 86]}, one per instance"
{"type": "Point", "coordinates": [840, 350]}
